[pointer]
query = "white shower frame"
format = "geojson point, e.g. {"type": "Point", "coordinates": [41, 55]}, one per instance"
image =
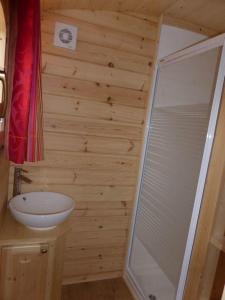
{"type": "Point", "coordinates": [201, 47]}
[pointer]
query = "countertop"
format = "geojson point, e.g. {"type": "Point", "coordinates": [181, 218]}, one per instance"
{"type": "Point", "coordinates": [14, 233]}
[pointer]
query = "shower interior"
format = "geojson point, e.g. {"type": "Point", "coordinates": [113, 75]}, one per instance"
{"type": "Point", "coordinates": [179, 138]}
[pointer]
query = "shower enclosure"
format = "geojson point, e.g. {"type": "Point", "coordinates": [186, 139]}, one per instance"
{"type": "Point", "coordinates": [185, 103]}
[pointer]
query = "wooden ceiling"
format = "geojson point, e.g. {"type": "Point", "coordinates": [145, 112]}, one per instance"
{"type": "Point", "coordinates": [152, 7]}
{"type": "Point", "coordinates": [208, 13]}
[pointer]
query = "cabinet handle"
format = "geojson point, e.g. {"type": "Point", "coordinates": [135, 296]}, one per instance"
{"type": "Point", "coordinates": [44, 249]}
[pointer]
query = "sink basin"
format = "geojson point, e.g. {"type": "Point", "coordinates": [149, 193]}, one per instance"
{"type": "Point", "coordinates": [41, 210]}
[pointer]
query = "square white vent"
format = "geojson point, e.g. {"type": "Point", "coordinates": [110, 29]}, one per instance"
{"type": "Point", "coordinates": [65, 36]}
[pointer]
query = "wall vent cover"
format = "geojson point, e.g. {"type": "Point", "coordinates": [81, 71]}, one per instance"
{"type": "Point", "coordinates": [65, 36]}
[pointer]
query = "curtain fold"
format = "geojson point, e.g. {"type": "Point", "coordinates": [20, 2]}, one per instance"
{"type": "Point", "coordinates": [24, 133]}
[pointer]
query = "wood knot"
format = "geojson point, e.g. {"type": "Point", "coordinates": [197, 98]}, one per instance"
{"type": "Point", "coordinates": [111, 65]}
{"type": "Point", "coordinates": [124, 203]}
{"type": "Point", "coordinates": [109, 101]}
{"type": "Point", "coordinates": [131, 146]}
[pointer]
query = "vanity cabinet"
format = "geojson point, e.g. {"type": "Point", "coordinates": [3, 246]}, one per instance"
{"type": "Point", "coordinates": [31, 262]}
{"type": "Point", "coordinates": [26, 272]}
{"type": "Point", "coordinates": [31, 271]}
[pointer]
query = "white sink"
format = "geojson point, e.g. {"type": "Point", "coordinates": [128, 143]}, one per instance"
{"type": "Point", "coordinates": [41, 210]}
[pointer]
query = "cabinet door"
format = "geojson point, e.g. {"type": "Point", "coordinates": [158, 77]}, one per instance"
{"type": "Point", "coordinates": [24, 272]}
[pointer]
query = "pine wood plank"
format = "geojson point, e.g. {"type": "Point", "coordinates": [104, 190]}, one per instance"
{"type": "Point", "coordinates": [89, 223]}
{"type": "Point", "coordinates": [90, 161]}
{"type": "Point", "coordinates": [100, 213]}
{"type": "Point", "coordinates": [143, 16]}
{"type": "Point", "coordinates": [48, 176]}
{"type": "Point", "coordinates": [89, 196]}
{"type": "Point", "coordinates": [100, 35]}
{"type": "Point", "coordinates": [79, 254]}
{"type": "Point", "coordinates": [100, 55]}
{"type": "Point", "coordinates": [91, 144]}
{"type": "Point", "coordinates": [92, 267]}
{"type": "Point", "coordinates": [57, 85]}
{"type": "Point", "coordinates": [100, 207]}
{"type": "Point", "coordinates": [114, 20]}
{"type": "Point", "coordinates": [94, 207]}
{"type": "Point", "coordinates": [61, 66]}
{"type": "Point", "coordinates": [97, 239]}
{"type": "Point", "coordinates": [105, 207]}
{"type": "Point", "coordinates": [67, 124]}
{"type": "Point", "coordinates": [76, 106]}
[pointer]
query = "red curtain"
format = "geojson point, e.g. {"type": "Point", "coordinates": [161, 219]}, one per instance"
{"type": "Point", "coordinates": [24, 134]}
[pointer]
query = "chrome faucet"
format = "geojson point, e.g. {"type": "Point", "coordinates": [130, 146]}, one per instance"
{"type": "Point", "coordinates": [18, 178]}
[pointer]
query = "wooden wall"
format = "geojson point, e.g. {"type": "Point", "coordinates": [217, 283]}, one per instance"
{"type": "Point", "coordinates": [4, 176]}
{"type": "Point", "coordinates": [94, 110]}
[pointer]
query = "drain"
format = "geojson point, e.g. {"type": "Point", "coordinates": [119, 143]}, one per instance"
{"type": "Point", "coordinates": [152, 297]}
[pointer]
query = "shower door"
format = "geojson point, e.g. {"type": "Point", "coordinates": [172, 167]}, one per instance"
{"type": "Point", "coordinates": [179, 138]}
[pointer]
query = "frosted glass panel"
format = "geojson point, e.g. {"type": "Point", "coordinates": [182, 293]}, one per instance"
{"type": "Point", "coordinates": [176, 139]}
